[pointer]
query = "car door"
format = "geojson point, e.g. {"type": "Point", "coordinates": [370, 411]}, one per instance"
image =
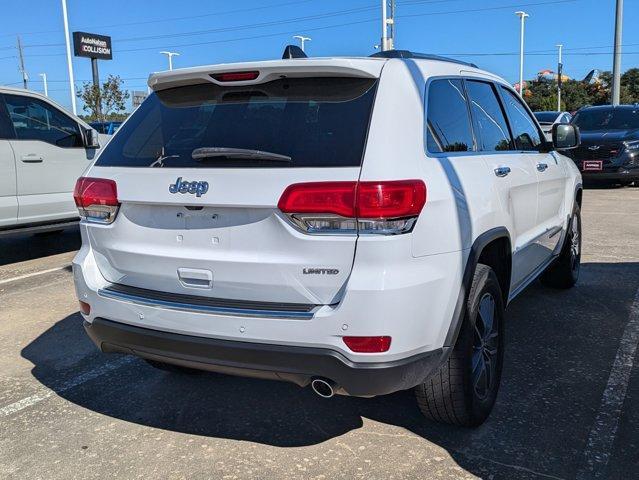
{"type": "Point", "coordinates": [551, 174]}
{"type": "Point", "coordinates": [8, 192]}
{"type": "Point", "coordinates": [514, 176]}
{"type": "Point", "coordinates": [50, 156]}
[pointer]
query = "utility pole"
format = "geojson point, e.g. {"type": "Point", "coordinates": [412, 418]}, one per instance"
{"type": "Point", "coordinates": [44, 81]}
{"type": "Point", "coordinates": [69, 64]}
{"type": "Point", "coordinates": [384, 45]}
{"type": "Point", "coordinates": [560, 68]}
{"type": "Point", "coordinates": [388, 23]}
{"type": "Point", "coordinates": [391, 22]}
{"type": "Point", "coordinates": [25, 77]}
{"type": "Point", "coordinates": [616, 64]}
{"type": "Point", "coordinates": [302, 39]}
{"type": "Point", "coordinates": [522, 16]}
{"type": "Point", "coordinates": [170, 56]}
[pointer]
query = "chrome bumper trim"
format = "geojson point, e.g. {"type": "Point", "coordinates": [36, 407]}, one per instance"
{"type": "Point", "coordinates": [210, 309]}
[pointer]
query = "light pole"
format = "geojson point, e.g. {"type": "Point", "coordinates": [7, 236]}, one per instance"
{"type": "Point", "coordinates": [560, 68]}
{"type": "Point", "coordinates": [522, 16]}
{"type": "Point", "coordinates": [302, 39]}
{"type": "Point", "coordinates": [170, 56]}
{"type": "Point", "coordinates": [44, 81]}
{"type": "Point", "coordinates": [69, 64]}
{"type": "Point", "coordinates": [616, 64]}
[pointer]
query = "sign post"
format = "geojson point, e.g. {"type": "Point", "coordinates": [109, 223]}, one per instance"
{"type": "Point", "coordinates": [96, 47]}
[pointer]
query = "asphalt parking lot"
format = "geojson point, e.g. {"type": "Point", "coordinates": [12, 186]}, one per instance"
{"type": "Point", "coordinates": [568, 406]}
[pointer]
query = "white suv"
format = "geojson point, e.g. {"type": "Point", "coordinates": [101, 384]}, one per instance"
{"type": "Point", "coordinates": [357, 224]}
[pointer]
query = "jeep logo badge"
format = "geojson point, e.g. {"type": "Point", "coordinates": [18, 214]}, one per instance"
{"type": "Point", "coordinates": [180, 186]}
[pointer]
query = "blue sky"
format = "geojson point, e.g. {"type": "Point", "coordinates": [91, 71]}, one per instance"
{"type": "Point", "coordinates": [206, 32]}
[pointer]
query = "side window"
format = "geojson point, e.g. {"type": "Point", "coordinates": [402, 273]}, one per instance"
{"type": "Point", "coordinates": [448, 126]}
{"type": "Point", "coordinates": [523, 126]}
{"type": "Point", "coordinates": [489, 120]}
{"type": "Point", "coordinates": [6, 129]}
{"type": "Point", "coordinates": [34, 119]}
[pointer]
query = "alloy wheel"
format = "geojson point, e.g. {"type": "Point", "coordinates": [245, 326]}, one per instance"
{"type": "Point", "coordinates": [485, 347]}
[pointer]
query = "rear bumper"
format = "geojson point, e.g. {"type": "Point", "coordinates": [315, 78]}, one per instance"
{"type": "Point", "coordinates": [279, 362]}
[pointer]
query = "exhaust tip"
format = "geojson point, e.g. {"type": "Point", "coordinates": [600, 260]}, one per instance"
{"type": "Point", "coordinates": [324, 388]}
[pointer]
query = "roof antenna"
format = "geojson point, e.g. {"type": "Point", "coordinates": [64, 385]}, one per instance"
{"type": "Point", "coordinates": [293, 51]}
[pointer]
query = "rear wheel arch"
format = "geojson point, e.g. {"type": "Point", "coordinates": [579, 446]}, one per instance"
{"type": "Point", "coordinates": [492, 248]}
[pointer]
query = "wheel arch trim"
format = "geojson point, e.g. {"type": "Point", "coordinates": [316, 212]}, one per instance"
{"type": "Point", "coordinates": [474, 254]}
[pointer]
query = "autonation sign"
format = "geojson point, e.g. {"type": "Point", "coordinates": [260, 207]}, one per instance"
{"type": "Point", "coordinates": [92, 45]}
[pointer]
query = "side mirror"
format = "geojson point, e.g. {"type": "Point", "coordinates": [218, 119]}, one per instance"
{"type": "Point", "coordinates": [91, 138]}
{"type": "Point", "coordinates": [565, 136]}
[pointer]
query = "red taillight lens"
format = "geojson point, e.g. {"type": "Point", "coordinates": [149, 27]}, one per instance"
{"type": "Point", "coordinates": [368, 344]}
{"type": "Point", "coordinates": [319, 197]}
{"type": "Point", "coordinates": [236, 76]}
{"type": "Point", "coordinates": [96, 199]}
{"type": "Point", "coordinates": [386, 208]}
{"type": "Point", "coordinates": [395, 199]}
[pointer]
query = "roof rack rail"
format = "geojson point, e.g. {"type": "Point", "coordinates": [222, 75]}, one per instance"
{"type": "Point", "coordinates": [421, 56]}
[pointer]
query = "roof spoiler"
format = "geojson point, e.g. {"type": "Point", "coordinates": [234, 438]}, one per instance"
{"type": "Point", "coordinates": [293, 51]}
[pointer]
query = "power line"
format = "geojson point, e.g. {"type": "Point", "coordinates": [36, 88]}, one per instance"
{"type": "Point", "coordinates": [303, 18]}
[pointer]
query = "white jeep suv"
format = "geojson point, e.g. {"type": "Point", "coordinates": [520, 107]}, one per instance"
{"type": "Point", "coordinates": [356, 224]}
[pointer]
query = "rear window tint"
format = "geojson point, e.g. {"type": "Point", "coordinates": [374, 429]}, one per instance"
{"type": "Point", "coordinates": [311, 122]}
{"type": "Point", "coordinates": [448, 124]}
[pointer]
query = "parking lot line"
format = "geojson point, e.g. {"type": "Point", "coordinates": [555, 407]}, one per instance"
{"type": "Point", "coordinates": [604, 430]}
{"type": "Point", "coordinates": [34, 274]}
{"type": "Point", "coordinates": [72, 383]}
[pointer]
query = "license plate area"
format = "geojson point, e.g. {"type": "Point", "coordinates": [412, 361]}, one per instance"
{"type": "Point", "coordinates": [592, 165]}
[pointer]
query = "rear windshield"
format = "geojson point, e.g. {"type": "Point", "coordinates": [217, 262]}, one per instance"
{"type": "Point", "coordinates": [296, 122]}
{"type": "Point", "coordinates": [607, 119]}
{"type": "Point", "coordinates": [546, 117]}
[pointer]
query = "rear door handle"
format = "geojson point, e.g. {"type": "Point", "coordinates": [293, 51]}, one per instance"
{"type": "Point", "coordinates": [542, 167]}
{"type": "Point", "coordinates": [502, 171]}
{"type": "Point", "coordinates": [32, 158]}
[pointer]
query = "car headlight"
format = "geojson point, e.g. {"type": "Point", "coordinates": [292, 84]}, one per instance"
{"type": "Point", "coordinates": [632, 146]}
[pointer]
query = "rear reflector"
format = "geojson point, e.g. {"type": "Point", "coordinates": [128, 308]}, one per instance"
{"type": "Point", "coordinates": [368, 344]}
{"type": "Point", "coordinates": [236, 76]}
{"type": "Point", "coordinates": [384, 207]}
{"type": "Point", "coordinates": [85, 307]}
{"type": "Point", "coordinates": [96, 199]}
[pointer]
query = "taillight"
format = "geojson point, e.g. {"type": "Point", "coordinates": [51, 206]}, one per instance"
{"type": "Point", "coordinates": [368, 344]}
{"type": "Point", "coordinates": [385, 207]}
{"type": "Point", "coordinates": [236, 76]}
{"type": "Point", "coordinates": [96, 199]}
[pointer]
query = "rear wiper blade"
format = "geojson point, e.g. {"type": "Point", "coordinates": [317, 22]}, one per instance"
{"type": "Point", "coordinates": [206, 153]}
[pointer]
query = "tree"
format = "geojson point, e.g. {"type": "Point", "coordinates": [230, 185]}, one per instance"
{"type": "Point", "coordinates": [630, 80]}
{"type": "Point", "coordinates": [541, 94]}
{"type": "Point", "coordinates": [106, 102]}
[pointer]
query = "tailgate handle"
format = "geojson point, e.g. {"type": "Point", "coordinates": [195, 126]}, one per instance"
{"type": "Point", "coordinates": [195, 277]}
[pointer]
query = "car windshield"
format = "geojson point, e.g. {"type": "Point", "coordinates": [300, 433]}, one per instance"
{"type": "Point", "coordinates": [607, 119]}
{"type": "Point", "coordinates": [546, 117]}
{"type": "Point", "coordinates": [311, 122]}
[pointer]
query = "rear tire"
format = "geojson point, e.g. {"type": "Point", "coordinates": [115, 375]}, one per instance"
{"type": "Point", "coordinates": [564, 272]}
{"type": "Point", "coordinates": [464, 389]}
{"type": "Point", "coordinates": [168, 367]}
